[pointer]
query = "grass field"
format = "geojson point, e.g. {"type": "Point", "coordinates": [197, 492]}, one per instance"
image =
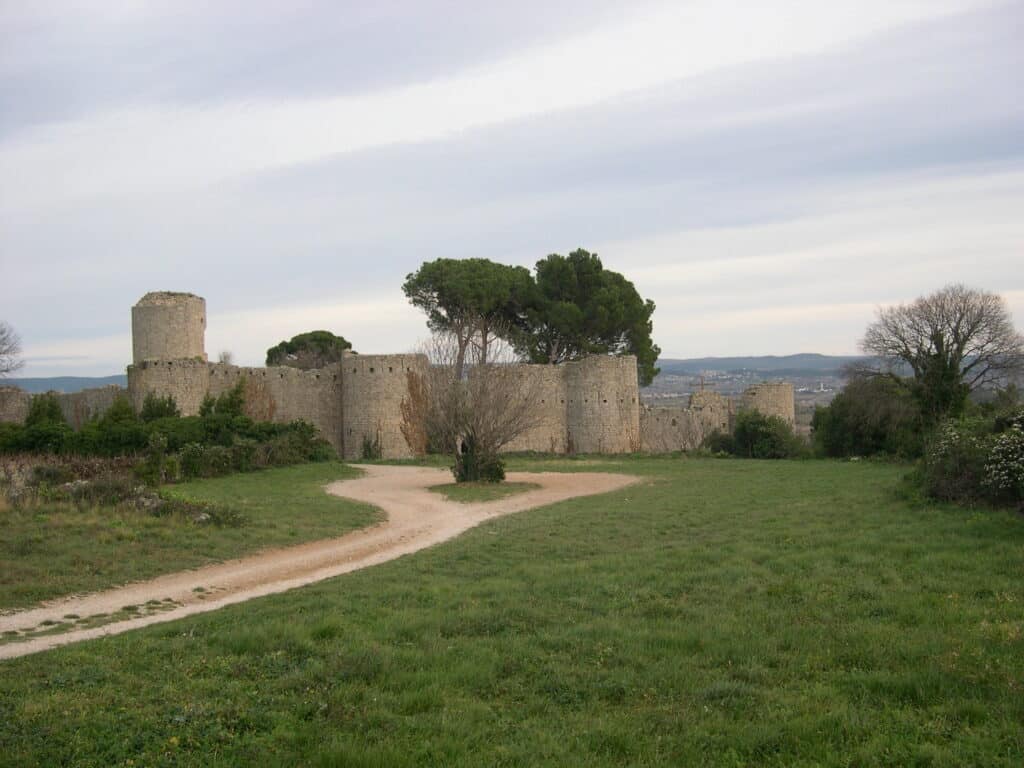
{"type": "Point", "coordinates": [724, 613]}
{"type": "Point", "coordinates": [473, 492]}
{"type": "Point", "coordinates": [56, 550]}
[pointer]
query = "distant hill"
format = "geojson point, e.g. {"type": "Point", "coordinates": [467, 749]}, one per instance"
{"type": "Point", "coordinates": [807, 364]}
{"type": "Point", "coordinates": [66, 384]}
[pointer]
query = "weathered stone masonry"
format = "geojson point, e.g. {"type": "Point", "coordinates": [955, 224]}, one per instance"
{"type": "Point", "coordinates": [587, 406]}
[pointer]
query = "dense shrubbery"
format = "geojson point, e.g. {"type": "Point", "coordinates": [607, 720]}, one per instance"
{"type": "Point", "coordinates": [756, 436]}
{"type": "Point", "coordinates": [976, 459]}
{"type": "Point", "coordinates": [472, 465]}
{"type": "Point", "coordinates": [222, 439]}
{"type": "Point", "coordinates": [871, 416]}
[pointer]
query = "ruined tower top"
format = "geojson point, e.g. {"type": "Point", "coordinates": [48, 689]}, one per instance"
{"type": "Point", "coordinates": [169, 326]}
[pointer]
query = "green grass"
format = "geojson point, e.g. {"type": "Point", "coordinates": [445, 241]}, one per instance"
{"type": "Point", "coordinates": [56, 550]}
{"type": "Point", "coordinates": [475, 492]}
{"type": "Point", "coordinates": [724, 613]}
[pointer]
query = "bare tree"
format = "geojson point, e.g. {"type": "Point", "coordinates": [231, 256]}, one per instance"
{"type": "Point", "coordinates": [476, 414]}
{"type": "Point", "coordinates": [955, 341]}
{"type": "Point", "coordinates": [226, 357]}
{"type": "Point", "coordinates": [10, 350]}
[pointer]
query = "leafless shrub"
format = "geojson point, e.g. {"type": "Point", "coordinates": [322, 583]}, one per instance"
{"type": "Point", "coordinates": [483, 410]}
{"type": "Point", "coordinates": [10, 349]}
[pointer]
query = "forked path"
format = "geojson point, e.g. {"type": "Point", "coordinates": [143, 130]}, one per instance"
{"type": "Point", "coordinates": [415, 518]}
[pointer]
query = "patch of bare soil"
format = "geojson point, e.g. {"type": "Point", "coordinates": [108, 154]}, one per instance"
{"type": "Point", "coordinates": [416, 518]}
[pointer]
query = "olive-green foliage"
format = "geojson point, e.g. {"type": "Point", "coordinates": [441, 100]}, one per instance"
{"type": "Point", "coordinates": [580, 308]}
{"type": "Point", "coordinates": [473, 465]}
{"type": "Point", "coordinates": [721, 614]}
{"type": "Point", "coordinates": [314, 349]}
{"type": "Point", "coordinates": [872, 415]}
{"type": "Point", "coordinates": [720, 442]}
{"type": "Point", "coordinates": [44, 409]}
{"type": "Point", "coordinates": [228, 404]}
{"type": "Point", "coordinates": [756, 436]}
{"type": "Point", "coordinates": [471, 298]}
{"type": "Point", "coordinates": [372, 449]}
{"type": "Point", "coordinates": [154, 407]}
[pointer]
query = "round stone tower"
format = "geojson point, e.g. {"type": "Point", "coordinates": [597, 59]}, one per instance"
{"type": "Point", "coordinates": [169, 326]}
{"type": "Point", "coordinates": [603, 412]}
{"type": "Point", "coordinates": [771, 398]}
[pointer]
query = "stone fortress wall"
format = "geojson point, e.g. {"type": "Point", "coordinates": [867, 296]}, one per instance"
{"type": "Point", "coordinates": [77, 407]}
{"type": "Point", "coordinates": [683, 429]}
{"type": "Point", "coordinates": [378, 405]}
{"type": "Point", "coordinates": [370, 401]}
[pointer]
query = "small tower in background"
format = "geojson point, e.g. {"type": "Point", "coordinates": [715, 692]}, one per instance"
{"type": "Point", "coordinates": [169, 326]}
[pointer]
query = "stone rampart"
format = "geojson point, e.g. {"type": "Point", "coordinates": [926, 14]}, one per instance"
{"type": "Point", "coordinates": [684, 429]}
{"type": "Point", "coordinates": [186, 380]}
{"type": "Point", "coordinates": [14, 403]}
{"type": "Point", "coordinates": [375, 391]}
{"type": "Point", "coordinates": [284, 394]}
{"type": "Point", "coordinates": [545, 385]}
{"type": "Point", "coordinates": [80, 407]}
{"type": "Point", "coordinates": [603, 409]}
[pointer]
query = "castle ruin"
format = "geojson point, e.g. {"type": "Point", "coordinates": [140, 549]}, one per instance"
{"type": "Point", "coordinates": [587, 406]}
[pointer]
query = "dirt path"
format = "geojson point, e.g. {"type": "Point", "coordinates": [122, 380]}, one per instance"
{"type": "Point", "coordinates": [416, 518]}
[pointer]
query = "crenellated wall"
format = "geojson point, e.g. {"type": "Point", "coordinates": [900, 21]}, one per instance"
{"type": "Point", "coordinates": [587, 406]}
{"type": "Point", "coordinates": [373, 390]}
{"type": "Point", "coordinates": [186, 380]}
{"type": "Point", "coordinates": [283, 394]}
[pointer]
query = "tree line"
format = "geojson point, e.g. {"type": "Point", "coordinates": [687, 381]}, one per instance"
{"type": "Point", "coordinates": [568, 308]}
{"type": "Point", "coordinates": [941, 390]}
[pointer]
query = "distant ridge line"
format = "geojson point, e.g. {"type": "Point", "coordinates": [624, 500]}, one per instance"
{"type": "Point", "coordinates": [65, 384]}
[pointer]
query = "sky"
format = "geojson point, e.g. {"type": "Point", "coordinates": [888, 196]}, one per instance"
{"type": "Point", "coordinates": [769, 173]}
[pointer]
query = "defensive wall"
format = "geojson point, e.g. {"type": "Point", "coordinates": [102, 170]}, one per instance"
{"type": "Point", "coordinates": [665, 429]}
{"type": "Point", "coordinates": [77, 407]}
{"type": "Point", "coordinates": [375, 403]}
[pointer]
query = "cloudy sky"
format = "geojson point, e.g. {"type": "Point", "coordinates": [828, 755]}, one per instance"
{"type": "Point", "coordinates": [768, 172]}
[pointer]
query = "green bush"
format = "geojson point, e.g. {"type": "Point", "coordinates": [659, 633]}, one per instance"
{"type": "Point", "coordinates": [1004, 466]}
{"type": "Point", "coordinates": [954, 462]}
{"type": "Point", "coordinates": [475, 466]}
{"type": "Point", "coordinates": [219, 441]}
{"type": "Point", "coordinates": [372, 448]}
{"type": "Point", "coordinates": [719, 442]}
{"type": "Point", "coordinates": [44, 437]}
{"type": "Point", "coordinates": [756, 436]}
{"type": "Point", "coordinates": [44, 409]}
{"type": "Point", "coordinates": [871, 416]}
{"type": "Point", "coordinates": [191, 460]}
{"type": "Point", "coordinates": [154, 408]}
{"type": "Point", "coordinates": [179, 431]}
{"type": "Point", "coordinates": [230, 403]}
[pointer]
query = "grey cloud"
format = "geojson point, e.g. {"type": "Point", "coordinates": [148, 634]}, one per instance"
{"type": "Point", "coordinates": [926, 98]}
{"type": "Point", "coordinates": [74, 65]}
